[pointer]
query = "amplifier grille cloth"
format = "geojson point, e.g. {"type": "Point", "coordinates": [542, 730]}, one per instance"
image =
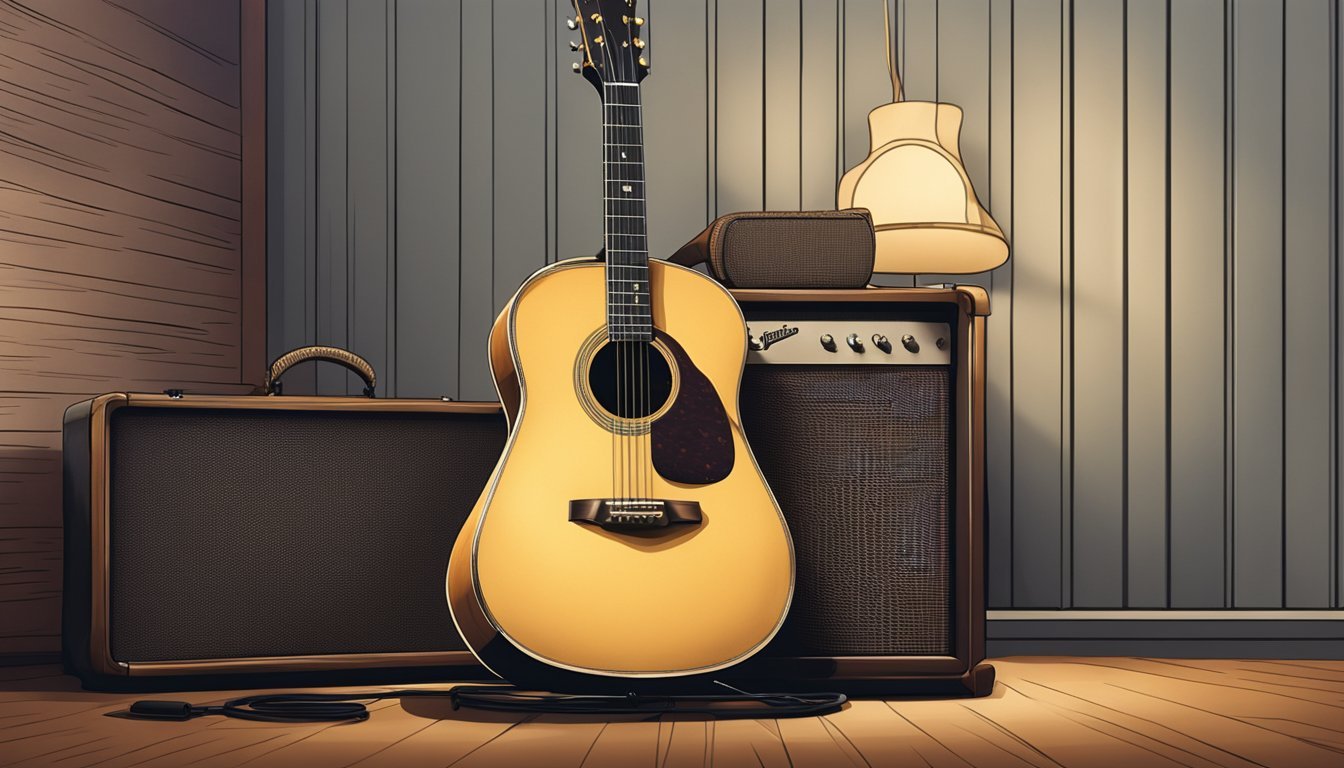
{"type": "Point", "coordinates": [253, 533]}
{"type": "Point", "coordinates": [858, 458]}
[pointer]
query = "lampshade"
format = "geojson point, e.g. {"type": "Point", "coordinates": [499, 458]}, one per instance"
{"type": "Point", "coordinates": [925, 211]}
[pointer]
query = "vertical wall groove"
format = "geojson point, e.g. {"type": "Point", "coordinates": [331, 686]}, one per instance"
{"type": "Point", "coordinates": [1164, 342]}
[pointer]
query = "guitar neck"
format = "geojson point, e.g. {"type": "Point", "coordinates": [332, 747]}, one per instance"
{"type": "Point", "coordinates": [628, 313]}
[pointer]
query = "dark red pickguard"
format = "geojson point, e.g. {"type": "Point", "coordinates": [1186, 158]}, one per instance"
{"type": "Point", "coordinates": [692, 442]}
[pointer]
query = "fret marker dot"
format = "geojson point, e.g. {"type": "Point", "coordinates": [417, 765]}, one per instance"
{"type": "Point", "coordinates": [622, 155]}
{"type": "Point", "coordinates": [627, 188]}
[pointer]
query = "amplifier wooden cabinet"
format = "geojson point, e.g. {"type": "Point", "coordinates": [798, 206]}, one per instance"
{"type": "Point", "coordinates": [223, 535]}
{"type": "Point", "coordinates": [865, 409]}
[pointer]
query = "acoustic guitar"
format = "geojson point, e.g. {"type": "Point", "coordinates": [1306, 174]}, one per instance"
{"type": "Point", "coordinates": [626, 538]}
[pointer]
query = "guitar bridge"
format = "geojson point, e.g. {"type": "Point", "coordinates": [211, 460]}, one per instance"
{"type": "Point", "coordinates": [634, 514]}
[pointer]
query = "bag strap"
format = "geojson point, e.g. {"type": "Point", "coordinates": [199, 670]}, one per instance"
{"type": "Point", "coordinates": [696, 251]}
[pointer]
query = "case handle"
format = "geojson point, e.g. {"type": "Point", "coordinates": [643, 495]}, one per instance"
{"type": "Point", "coordinates": [337, 355]}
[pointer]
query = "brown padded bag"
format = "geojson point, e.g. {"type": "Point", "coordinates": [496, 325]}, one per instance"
{"type": "Point", "coordinates": [790, 249]}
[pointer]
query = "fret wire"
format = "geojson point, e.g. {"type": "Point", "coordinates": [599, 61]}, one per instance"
{"type": "Point", "coordinates": [623, 167]}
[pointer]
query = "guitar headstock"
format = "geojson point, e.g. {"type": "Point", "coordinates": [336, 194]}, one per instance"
{"type": "Point", "coordinates": [612, 49]}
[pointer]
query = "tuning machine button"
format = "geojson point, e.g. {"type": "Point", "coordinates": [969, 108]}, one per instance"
{"type": "Point", "coordinates": [828, 342]}
{"type": "Point", "coordinates": [572, 23]}
{"type": "Point", "coordinates": [910, 344]}
{"type": "Point", "coordinates": [754, 343]}
{"type": "Point", "coordinates": [854, 342]}
{"type": "Point", "coordinates": [882, 343]}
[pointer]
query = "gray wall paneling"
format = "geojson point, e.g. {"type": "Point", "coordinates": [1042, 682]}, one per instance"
{"type": "Point", "coordinates": [428, 184]}
{"type": "Point", "coordinates": [1038, 534]}
{"type": "Point", "coordinates": [999, 327]}
{"type": "Point", "coordinates": [1097, 308]}
{"type": "Point", "coordinates": [1197, 199]}
{"type": "Point", "coordinates": [1163, 391]}
{"type": "Point", "coordinates": [1308, 269]}
{"type": "Point", "coordinates": [739, 114]}
{"type": "Point", "coordinates": [1145, 309]}
{"type": "Point", "coordinates": [1255, 264]}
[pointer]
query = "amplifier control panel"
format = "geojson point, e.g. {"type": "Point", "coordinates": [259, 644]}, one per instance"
{"type": "Point", "coordinates": [849, 342]}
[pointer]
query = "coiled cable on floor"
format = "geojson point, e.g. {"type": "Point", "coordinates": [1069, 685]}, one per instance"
{"type": "Point", "coordinates": [352, 707]}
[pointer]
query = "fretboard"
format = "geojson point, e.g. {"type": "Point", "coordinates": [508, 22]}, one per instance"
{"type": "Point", "coordinates": [628, 313]}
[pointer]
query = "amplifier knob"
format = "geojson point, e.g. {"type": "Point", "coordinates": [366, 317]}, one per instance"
{"type": "Point", "coordinates": [853, 341]}
{"type": "Point", "coordinates": [910, 344]}
{"type": "Point", "coordinates": [882, 343]}
{"type": "Point", "coordinates": [828, 342]}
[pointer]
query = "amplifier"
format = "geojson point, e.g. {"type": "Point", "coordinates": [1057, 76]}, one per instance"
{"type": "Point", "coordinates": [223, 535]}
{"type": "Point", "coordinates": [865, 410]}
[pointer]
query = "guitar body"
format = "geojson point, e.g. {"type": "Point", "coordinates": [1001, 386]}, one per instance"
{"type": "Point", "coordinates": [549, 602]}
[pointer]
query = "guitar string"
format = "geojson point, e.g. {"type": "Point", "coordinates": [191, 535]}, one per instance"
{"type": "Point", "coordinates": [639, 363]}
{"type": "Point", "coordinates": [645, 312]}
{"type": "Point", "coordinates": [611, 228]}
{"type": "Point", "coordinates": [635, 343]}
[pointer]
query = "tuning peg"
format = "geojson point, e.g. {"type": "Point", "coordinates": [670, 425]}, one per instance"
{"type": "Point", "coordinates": [639, 43]}
{"type": "Point", "coordinates": [643, 62]}
{"type": "Point", "coordinates": [572, 23]}
{"type": "Point", "coordinates": [637, 20]}
{"type": "Point", "coordinates": [573, 46]}
{"type": "Point", "coordinates": [577, 67]}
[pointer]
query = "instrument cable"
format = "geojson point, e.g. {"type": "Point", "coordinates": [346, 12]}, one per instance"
{"type": "Point", "coordinates": [351, 707]}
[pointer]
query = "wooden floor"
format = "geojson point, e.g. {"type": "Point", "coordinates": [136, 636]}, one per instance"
{"type": "Point", "coordinates": [1044, 712]}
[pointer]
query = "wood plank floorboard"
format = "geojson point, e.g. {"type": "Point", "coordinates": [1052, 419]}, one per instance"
{"type": "Point", "coordinates": [1045, 712]}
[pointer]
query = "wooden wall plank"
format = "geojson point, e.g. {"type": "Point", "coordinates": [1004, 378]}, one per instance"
{"type": "Point", "coordinates": [370, 247]}
{"type": "Point", "coordinates": [1037, 205]}
{"type": "Point", "coordinates": [820, 100]}
{"type": "Point", "coordinates": [674, 118]}
{"type": "Point", "coordinates": [520, 105]}
{"type": "Point", "coordinates": [122, 221]}
{"type": "Point", "coordinates": [578, 132]}
{"type": "Point", "coordinates": [289, 290]}
{"type": "Point", "coordinates": [1197, 525]}
{"type": "Point", "coordinates": [917, 28]}
{"type": "Point", "coordinates": [427, 188]}
{"type": "Point", "coordinates": [963, 50]}
{"type": "Point", "coordinates": [1097, 300]}
{"type": "Point", "coordinates": [476, 296]}
{"type": "Point", "coordinates": [1337, 214]}
{"type": "Point", "coordinates": [999, 326]}
{"type": "Point", "coordinates": [865, 81]}
{"type": "Point", "coordinates": [332, 195]}
{"type": "Point", "coordinates": [1257, 309]}
{"type": "Point", "coordinates": [739, 106]}
{"type": "Point", "coordinates": [783, 104]}
{"type": "Point", "coordinates": [1307, 304]}
{"type": "Point", "coordinates": [1146, 293]}
{"type": "Point", "coordinates": [30, 588]}
{"type": "Point", "coordinates": [864, 78]}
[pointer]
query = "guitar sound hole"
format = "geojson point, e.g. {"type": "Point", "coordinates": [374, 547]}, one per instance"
{"type": "Point", "coordinates": [630, 379]}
